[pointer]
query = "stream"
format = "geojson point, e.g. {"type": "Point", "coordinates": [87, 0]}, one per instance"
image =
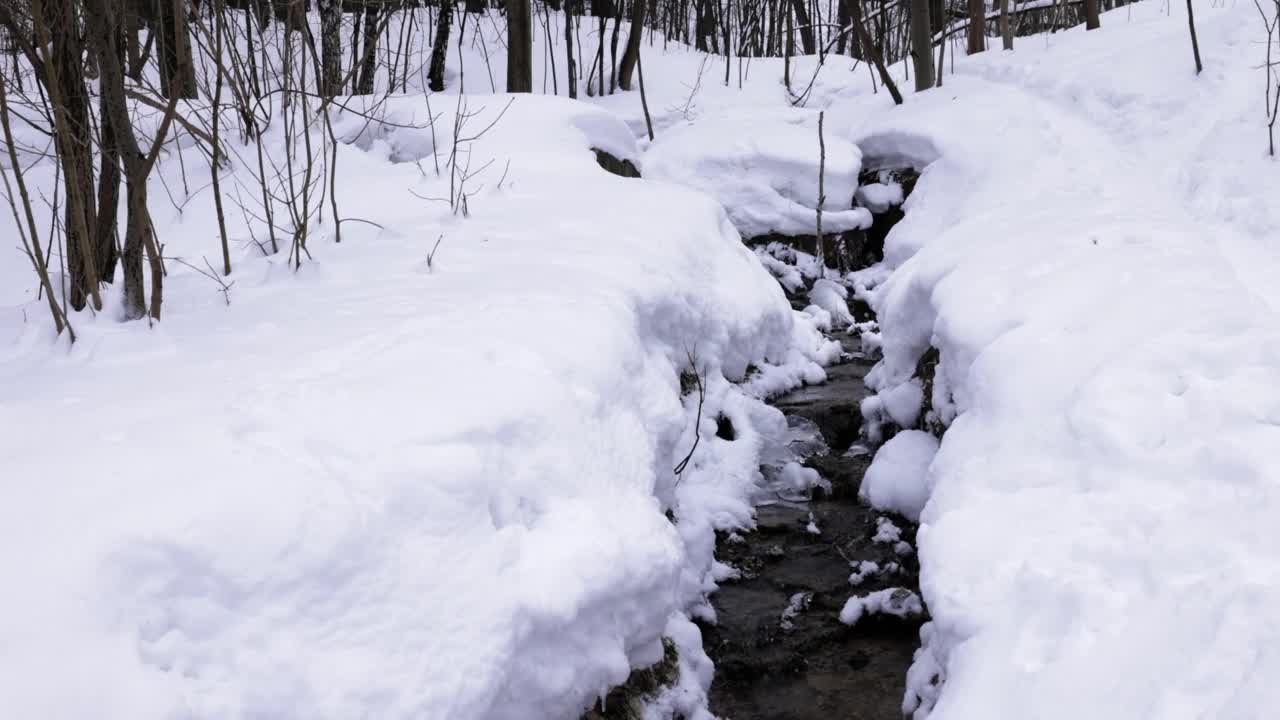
{"type": "Point", "coordinates": [779, 646]}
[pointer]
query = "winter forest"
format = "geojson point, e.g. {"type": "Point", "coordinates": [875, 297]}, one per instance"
{"type": "Point", "coordinates": [640, 359]}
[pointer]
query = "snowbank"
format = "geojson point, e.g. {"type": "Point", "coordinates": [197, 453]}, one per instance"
{"type": "Point", "coordinates": [387, 486]}
{"type": "Point", "coordinates": [1091, 251]}
{"type": "Point", "coordinates": [763, 168]}
{"type": "Point", "coordinates": [898, 477]}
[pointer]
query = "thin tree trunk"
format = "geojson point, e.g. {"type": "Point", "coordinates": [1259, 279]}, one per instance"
{"type": "Point", "coordinates": [369, 62]}
{"type": "Point", "coordinates": [1091, 19]}
{"type": "Point", "coordinates": [520, 46]}
{"type": "Point", "coordinates": [632, 55]}
{"type": "Point", "coordinates": [1195, 43]}
{"type": "Point", "coordinates": [108, 198]}
{"type": "Point", "coordinates": [440, 47]}
{"type": "Point", "coordinates": [806, 29]}
{"type": "Point", "coordinates": [331, 47]}
{"type": "Point", "coordinates": [1006, 27]}
{"type": "Point", "coordinates": [872, 54]}
{"type": "Point", "coordinates": [57, 28]}
{"type": "Point", "coordinates": [177, 72]}
{"type": "Point", "coordinates": [568, 48]}
{"type": "Point", "coordinates": [977, 26]}
{"type": "Point", "coordinates": [921, 43]}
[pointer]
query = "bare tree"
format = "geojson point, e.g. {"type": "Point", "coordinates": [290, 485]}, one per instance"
{"type": "Point", "coordinates": [1195, 43]}
{"type": "Point", "coordinates": [1091, 19]}
{"type": "Point", "coordinates": [632, 53]}
{"type": "Point", "coordinates": [331, 44]}
{"type": "Point", "coordinates": [1006, 27]}
{"type": "Point", "coordinates": [921, 43]}
{"type": "Point", "coordinates": [440, 47]}
{"type": "Point", "coordinates": [977, 26]}
{"type": "Point", "coordinates": [520, 47]}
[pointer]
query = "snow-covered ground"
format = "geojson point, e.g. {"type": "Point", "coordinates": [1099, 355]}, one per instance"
{"type": "Point", "coordinates": [1093, 249]}
{"type": "Point", "coordinates": [383, 486]}
{"type": "Point", "coordinates": [387, 486]}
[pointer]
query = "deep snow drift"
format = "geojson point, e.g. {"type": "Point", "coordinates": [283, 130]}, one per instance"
{"type": "Point", "coordinates": [1092, 250]}
{"type": "Point", "coordinates": [387, 486]}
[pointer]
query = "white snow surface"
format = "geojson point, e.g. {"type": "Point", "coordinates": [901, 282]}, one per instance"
{"type": "Point", "coordinates": [898, 602]}
{"type": "Point", "coordinates": [898, 479]}
{"type": "Point", "coordinates": [763, 166]}
{"type": "Point", "coordinates": [373, 488]}
{"type": "Point", "coordinates": [370, 489]}
{"type": "Point", "coordinates": [1092, 248]}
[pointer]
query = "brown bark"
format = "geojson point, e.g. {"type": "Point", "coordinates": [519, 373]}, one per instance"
{"type": "Point", "coordinates": [520, 47]}
{"type": "Point", "coordinates": [632, 53]}
{"type": "Point", "coordinates": [369, 60]}
{"type": "Point", "coordinates": [871, 53]}
{"type": "Point", "coordinates": [177, 72]}
{"type": "Point", "coordinates": [921, 44]}
{"type": "Point", "coordinates": [804, 26]}
{"type": "Point", "coordinates": [331, 47]}
{"type": "Point", "coordinates": [977, 26]}
{"type": "Point", "coordinates": [440, 47]}
{"type": "Point", "coordinates": [1006, 27]}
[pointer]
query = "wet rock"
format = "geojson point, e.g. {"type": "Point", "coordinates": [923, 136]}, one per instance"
{"type": "Point", "coordinates": [626, 702]}
{"type": "Point", "coordinates": [621, 168]}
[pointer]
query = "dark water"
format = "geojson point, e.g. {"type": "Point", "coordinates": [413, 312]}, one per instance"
{"type": "Point", "coordinates": [811, 665]}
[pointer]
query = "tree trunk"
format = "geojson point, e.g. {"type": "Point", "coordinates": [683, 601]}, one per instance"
{"type": "Point", "coordinates": [101, 29]}
{"type": "Point", "coordinates": [872, 54]}
{"type": "Point", "coordinates": [440, 47]}
{"type": "Point", "coordinates": [977, 26]}
{"type": "Point", "coordinates": [842, 19]}
{"type": "Point", "coordinates": [73, 142]}
{"type": "Point", "coordinates": [1195, 42]}
{"type": "Point", "coordinates": [177, 72]}
{"type": "Point", "coordinates": [568, 48]}
{"type": "Point", "coordinates": [331, 47]}
{"type": "Point", "coordinates": [1006, 27]}
{"type": "Point", "coordinates": [520, 47]}
{"type": "Point", "coordinates": [369, 62]}
{"type": "Point", "coordinates": [921, 44]}
{"type": "Point", "coordinates": [1091, 20]}
{"type": "Point", "coordinates": [108, 197]}
{"type": "Point", "coordinates": [632, 53]}
{"type": "Point", "coordinates": [805, 28]}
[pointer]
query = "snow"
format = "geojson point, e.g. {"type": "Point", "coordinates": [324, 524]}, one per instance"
{"type": "Point", "coordinates": [879, 197]}
{"type": "Point", "coordinates": [864, 570]}
{"type": "Point", "coordinates": [1091, 249]}
{"type": "Point", "coordinates": [763, 168]}
{"type": "Point", "coordinates": [898, 602]}
{"type": "Point", "coordinates": [832, 297]}
{"type": "Point", "coordinates": [376, 488]}
{"type": "Point", "coordinates": [898, 479]}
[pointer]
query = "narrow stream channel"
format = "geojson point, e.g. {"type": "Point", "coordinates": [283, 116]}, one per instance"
{"type": "Point", "coordinates": [780, 649]}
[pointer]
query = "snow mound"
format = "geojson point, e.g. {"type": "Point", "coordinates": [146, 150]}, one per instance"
{"type": "Point", "coordinates": [898, 479]}
{"type": "Point", "coordinates": [763, 168]}
{"type": "Point", "coordinates": [1100, 540]}
{"type": "Point", "coordinates": [382, 487]}
{"type": "Point", "coordinates": [898, 602]}
{"type": "Point", "coordinates": [833, 298]}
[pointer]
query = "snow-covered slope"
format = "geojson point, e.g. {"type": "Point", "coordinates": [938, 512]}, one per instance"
{"type": "Point", "coordinates": [1094, 251]}
{"type": "Point", "coordinates": [387, 486]}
